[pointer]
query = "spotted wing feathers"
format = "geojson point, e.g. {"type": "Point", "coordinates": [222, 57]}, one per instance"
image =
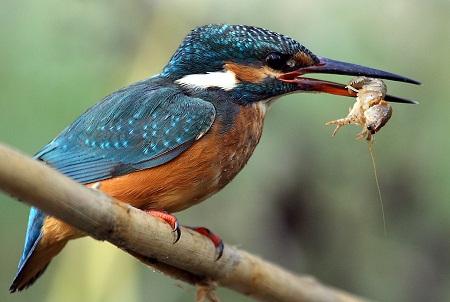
{"type": "Point", "coordinates": [133, 129]}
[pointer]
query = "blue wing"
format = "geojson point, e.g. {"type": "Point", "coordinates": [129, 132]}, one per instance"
{"type": "Point", "coordinates": [136, 128]}
{"type": "Point", "coordinates": [133, 129]}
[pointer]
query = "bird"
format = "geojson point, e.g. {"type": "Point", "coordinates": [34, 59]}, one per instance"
{"type": "Point", "coordinates": [170, 141]}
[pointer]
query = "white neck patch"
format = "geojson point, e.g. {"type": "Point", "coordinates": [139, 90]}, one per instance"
{"type": "Point", "coordinates": [222, 79]}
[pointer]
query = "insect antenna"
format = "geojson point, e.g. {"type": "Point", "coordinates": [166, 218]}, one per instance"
{"type": "Point", "coordinates": [375, 174]}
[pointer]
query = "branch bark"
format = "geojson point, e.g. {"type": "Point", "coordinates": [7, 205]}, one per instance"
{"type": "Point", "coordinates": [190, 259]}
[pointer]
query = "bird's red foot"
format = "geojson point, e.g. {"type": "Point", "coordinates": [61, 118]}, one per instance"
{"type": "Point", "coordinates": [215, 239]}
{"type": "Point", "coordinates": [170, 219]}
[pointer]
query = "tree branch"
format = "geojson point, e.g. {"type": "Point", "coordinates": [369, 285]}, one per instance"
{"type": "Point", "coordinates": [190, 259]}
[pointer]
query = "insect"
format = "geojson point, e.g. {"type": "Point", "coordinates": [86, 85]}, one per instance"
{"type": "Point", "coordinates": [370, 110]}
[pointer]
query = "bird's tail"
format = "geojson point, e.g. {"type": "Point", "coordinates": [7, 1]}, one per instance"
{"type": "Point", "coordinates": [35, 266]}
{"type": "Point", "coordinates": [46, 237]}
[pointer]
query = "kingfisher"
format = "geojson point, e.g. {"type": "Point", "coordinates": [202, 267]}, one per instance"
{"type": "Point", "coordinates": [170, 141]}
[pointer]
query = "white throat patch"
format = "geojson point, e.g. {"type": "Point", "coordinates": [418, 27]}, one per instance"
{"type": "Point", "coordinates": [222, 79]}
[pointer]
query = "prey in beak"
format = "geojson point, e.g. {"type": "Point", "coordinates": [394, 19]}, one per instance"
{"type": "Point", "coordinates": [329, 66]}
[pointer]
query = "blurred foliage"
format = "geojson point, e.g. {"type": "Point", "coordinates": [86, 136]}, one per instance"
{"type": "Point", "coordinates": [305, 200]}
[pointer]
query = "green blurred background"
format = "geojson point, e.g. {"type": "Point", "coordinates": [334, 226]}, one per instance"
{"type": "Point", "coordinates": [305, 200]}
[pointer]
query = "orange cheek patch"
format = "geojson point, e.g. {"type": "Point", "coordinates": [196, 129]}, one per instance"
{"type": "Point", "coordinates": [303, 59]}
{"type": "Point", "coordinates": [245, 73]}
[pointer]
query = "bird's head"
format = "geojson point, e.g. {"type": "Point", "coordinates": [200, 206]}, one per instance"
{"type": "Point", "coordinates": [251, 64]}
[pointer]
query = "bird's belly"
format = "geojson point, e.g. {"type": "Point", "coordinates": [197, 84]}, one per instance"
{"type": "Point", "coordinates": [202, 170]}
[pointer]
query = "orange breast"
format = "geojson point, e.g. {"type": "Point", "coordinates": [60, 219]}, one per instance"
{"type": "Point", "coordinates": [206, 167]}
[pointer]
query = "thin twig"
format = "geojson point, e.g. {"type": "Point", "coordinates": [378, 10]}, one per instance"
{"type": "Point", "coordinates": [190, 259]}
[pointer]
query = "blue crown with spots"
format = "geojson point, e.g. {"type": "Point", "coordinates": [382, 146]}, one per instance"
{"type": "Point", "coordinates": [206, 48]}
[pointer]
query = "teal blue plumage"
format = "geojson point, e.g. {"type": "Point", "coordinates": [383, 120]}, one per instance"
{"type": "Point", "coordinates": [136, 128]}
{"type": "Point", "coordinates": [207, 47]}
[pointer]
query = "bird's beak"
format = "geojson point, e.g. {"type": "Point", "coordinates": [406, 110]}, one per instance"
{"type": "Point", "coordinates": [336, 67]}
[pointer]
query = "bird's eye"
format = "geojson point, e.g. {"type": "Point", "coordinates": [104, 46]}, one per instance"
{"type": "Point", "coordinates": [276, 60]}
{"type": "Point", "coordinates": [279, 61]}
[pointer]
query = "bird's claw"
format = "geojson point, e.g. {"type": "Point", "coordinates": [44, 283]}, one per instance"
{"type": "Point", "coordinates": [177, 232]}
{"type": "Point", "coordinates": [215, 239]}
{"type": "Point", "coordinates": [173, 222]}
{"type": "Point", "coordinates": [170, 219]}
